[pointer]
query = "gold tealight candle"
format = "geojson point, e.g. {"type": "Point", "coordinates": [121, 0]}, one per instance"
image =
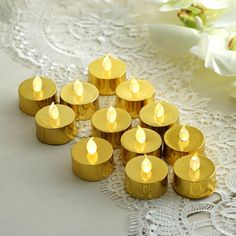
{"type": "Point", "coordinates": [92, 159]}
{"type": "Point", "coordinates": [133, 94]}
{"type": "Point", "coordinates": [138, 141]}
{"type": "Point", "coordinates": [36, 93]}
{"type": "Point", "coordinates": [182, 140]}
{"type": "Point", "coordinates": [194, 176]}
{"type": "Point", "coordinates": [159, 116]}
{"type": "Point", "coordinates": [55, 124]}
{"type": "Point", "coordinates": [82, 97]}
{"type": "Point", "coordinates": [106, 74]}
{"type": "Point", "coordinates": [110, 124]}
{"type": "Point", "coordinates": [146, 177]}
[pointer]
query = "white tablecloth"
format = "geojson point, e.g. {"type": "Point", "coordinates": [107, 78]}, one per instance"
{"type": "Point", "coordinates": [39, 195]}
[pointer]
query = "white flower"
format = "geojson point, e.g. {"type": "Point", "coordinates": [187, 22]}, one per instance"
{"type": "Point", "coordinates": [214, 49]}
{"type": "Point", "coordinates": [171, 5]}
{"type": "Point", "coordinates": [177, 40]}
{"type": "Point", "coordinates": [173, 39]}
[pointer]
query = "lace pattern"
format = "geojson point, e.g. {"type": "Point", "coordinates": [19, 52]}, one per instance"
{"type": "Point", "coordinates": [60, 38]}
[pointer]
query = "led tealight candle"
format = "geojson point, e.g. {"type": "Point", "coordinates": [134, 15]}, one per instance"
{"type": "Point", "coordinates": [182, 140]}
{"type": "Point", "coordinates": [194, 176]}
{"type": "Point", "coordinates": [159, 116]}
{"type": "Point", "coordinates": [82, 97]}
{"type": "Point", "coordinates": [138, 141]}
{"type": "Point", "coordinates": [146, 177]}
{"type": "Point", "coordinates": [92, 159]}
{"type": "Point", "coordinates": [106, 74]}
{"type": "Point", "coordinates": [133, 94]}
{"type": "Point", "coordinates": [110, 124]}
{"type": "Point", "coordinates": [55, 124]}
{"type": "Point", "coordinates": [36, 93]}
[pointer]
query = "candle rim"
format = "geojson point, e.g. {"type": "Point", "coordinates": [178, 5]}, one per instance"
{"type": "Point", "coordinates": [202, 158]}
{"type": "Point", "coordinates": [175, 131]}
{"type": "Point", "coordinates": [68, 99]}
{"type": "Point", "coordinates": [42, 117]}
{"type": "Point", "coordinates": [103, 157]}
{"type": "Point", "coordinates": [149, 120]}
{"type": "Point", "coordinates": [118, 69]}
{"type": "Point", "coordinates": [123, 89]}
{"type": "Point", "coordinates": [26, 86]}
{"type": "Point", "coordinates": [156, 144]}
{"type": "Point", "coordinates": [159, 168]}
{"type": "Point", "coordinates": [101, 114]}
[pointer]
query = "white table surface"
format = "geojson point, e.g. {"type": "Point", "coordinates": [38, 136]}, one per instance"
{"type": "Point", "coordinates": [39, 195]}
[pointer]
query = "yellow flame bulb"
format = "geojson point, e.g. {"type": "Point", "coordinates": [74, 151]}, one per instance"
{"type": "Point", "coordinates": [106, 63]}
{"type": "Point", "coordinates": [134, 85]}
{"type": "Point", "coordinates": [140, 135]}
{"type": "Point", "coordinates": [184, 134]}
{"type": "Point", "coordinates": [194, 163]}
{"type": "Point", "coordinates": [91, 146]}
{"type": "Point", "coordinates": [37, 84]}
{"type": "Point", "coordinates": [53, 111]}
{"type": "Point", "coordinates": [78, 88]}
{"type": "Point", "coordinates": [159, 110]}
{"type": "Point", "coordinates": [146, 165]}
{"type": "Point", "coordinates": [111, 114]}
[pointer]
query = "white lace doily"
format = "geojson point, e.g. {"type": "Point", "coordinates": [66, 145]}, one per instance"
{"type": "Point", "coordinates": [60, 38]}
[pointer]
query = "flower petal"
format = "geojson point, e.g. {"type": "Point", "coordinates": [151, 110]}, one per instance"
{"type": "Point", "coordinates": [233, 93]}
{"type": "Point", "coordinates": [217, 57]}
{"type": "Point", "coordinates": [175, 5]}
{"type": "Point", "coordinates": [226, 20]}
{"type": "Point", "coordinates": [214, 4]}
{"type": "Point", "coordinates": [173, 39]}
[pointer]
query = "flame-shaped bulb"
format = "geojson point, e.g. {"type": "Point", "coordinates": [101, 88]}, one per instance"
{"type": "Point", "coordinates": [111, 114]}
{"type": "Point", "coordinates": [91, 146]}
{"type": "Point", "coordinates": [53, 111]}
{"type": "Point", "coordinates": [159, 110]}
{"type": "Point", "coordinates": [146, 165]}
{"type": "Point", "coordinates": [37, 84]}
{"type": "Point", "coordinates": [134, 85]}
{"type": "Point", "coordinates": [106, 63]}
{"type": "Point", "coordinates": [78, 88]}
{"type": "Point", "coordinates": [184, 134]}
{"type": "Point", "coordinates": [140, 135]}
{"type": "Point", "coordinates": [194, 163]}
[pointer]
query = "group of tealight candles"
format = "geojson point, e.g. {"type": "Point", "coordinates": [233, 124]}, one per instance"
{"type": "Point", "coordinates": [159, 135]}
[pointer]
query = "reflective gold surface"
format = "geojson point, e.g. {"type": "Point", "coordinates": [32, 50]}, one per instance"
{"type": "Point", "coordinates": [159, 124]}
{"type": "Point", "coordinates": [92, 167]}
{"type": "Point", "coordinates": [59, 131]}
{"type": "Point", "coordinates": [194, 184]}
{"type": "Point", "coordinates": [111, 131]}
{"type": "Point", "coordinates": [130, 148]}
{"type": "Point", "coordinates": [30, 102]}
{"type": "Point", "coordinates": [84, 106]}
{"type": "Point", "coordinates": [146, 185]}
{"type": "Point", "coordinates": [133, 102]}
{"type": "Point", "coordinates": [107, 81]}
{"type": "Point", "coordinates": [174, 148]}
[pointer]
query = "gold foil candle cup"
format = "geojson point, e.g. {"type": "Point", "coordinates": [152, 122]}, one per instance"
{"type": "Point", "coordinates": [82, 97]}
{"type": "Point", "coordinates": [55, 124]}
{"type": "Point", "coordinates": [146, 177]}
{"type": "Point", "coordinates": [133, 94]}
{"type": "Point", "coordinates": [36, 93]}
{"type": "Point", "coordinates": [159, 116]}
{"type": "Point", "coordinates": [181, 140]}
{"type": "Point", "coordinates": [139, 141]}
{"type": "Point", "coordinates": [92, 159]}
{"type": "Point", "coordinates": [194, 176]}
{"type": "Point", "coordinates": [106, 74]}
{"type": "Point", "coordinates": [110, 123]}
